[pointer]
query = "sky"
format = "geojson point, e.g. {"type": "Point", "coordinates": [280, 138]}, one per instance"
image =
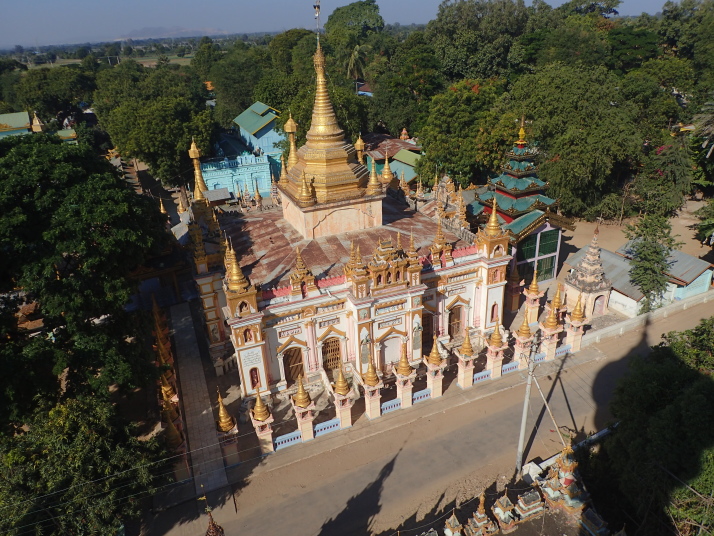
{"type": "Point", "coordinates": [46, 22]}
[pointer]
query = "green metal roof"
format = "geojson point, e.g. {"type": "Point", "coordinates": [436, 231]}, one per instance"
{"type": "Point", "coordinates": [519, 204]}
{"type": "Point", "coordinates": [14, 121]}
{"type": "Point", "coordinates": [398, 167]}
{"type": "Point", "coordinates": [514, 183]}
{"type": "Point", "coordinates": [408, 157]}
{"type": "Point", "coordinates": [256, 117]}
{"type": "Point", "coordinates": [519, 224]}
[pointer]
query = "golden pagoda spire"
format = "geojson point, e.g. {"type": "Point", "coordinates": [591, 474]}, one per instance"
{"type": "Point", "coordinates": [439, 237]}
{"type": "Point", "coordinates": [162, 208]}
{"type": "Point", "coordinates": [399, 241]}
{"type": "Point", "coordinates": [301, 398]}
{"type": "Point", "coordinates": [341, 386]}
{"type": "Point", "coordinates": [299, 263]}
{"type": "Point", "coordinates": [436, 179]}
{"type": "Point", "coordinates": [403, 367]}
{"type": "Point", "coordinates": [260, 410]}
{"type": "Point", "coordinates": [370, 378]}
{"type": "Point", "coordinates": [305, 196]}
{"type": "Point", "coordinates": [359, 147]}
{"type": "Point", "coordinates": [181, 206]}
{"type": "Point", "coordinates": [466, 348]}
{"type": "Point", "coordinates": [434, 357]}
{"type": "Point", "coordinates": [496, 338]}
{"type": "Point", "coordinates": [283, 171]}
{"type": "Point", "coordinates": [419, 189]}
{"type": "Point", "coordinates": [412, 250]}
{"type": "Point", "coordinates": [552, 321]}
{"type": "Point", "coordinates": [291, 128]}
{"type": "Point", "coordinates": [374, 187]}
{"type": "Point", "coordinates": [225, 422]}
{"type": "Point", "coordinates": [257, 196]}
{"type": "Point", "coordinates": [387, 174]}
{"type": "Point", "coordinates": [533, 288]}
{"type": "Point", "coordinates": [200, 185]}
{"type": "Point", "coordinates": [493, 228]}
{"type": "Point", "coordinates": [578, 315]}
{"type": "Point", "coordinates": [557, 300]}
{"type": "Point", "coordinates": [525, 330]}
{"type": "Point", "coordinates": [236, 280]}
{"type": "Point", "coordinates": [167, 389]}
{"type": "Point", "coordinates": [174, 439]}
{"type": "Point", "coordinates": [324, 129]}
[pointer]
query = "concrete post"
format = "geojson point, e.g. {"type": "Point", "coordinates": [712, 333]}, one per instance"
{"type": "Point", "coordinates": [264, 431]}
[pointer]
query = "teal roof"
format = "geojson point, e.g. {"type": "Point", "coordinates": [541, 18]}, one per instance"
{"type": "Point", "coordinates": [398, 167]}
{"type": "Point", "coordinates": [256, 117]}
{"type": "Point", "coordinates": [520, 184]}
{"type": "Point", "coordinates": [524, 165]}
{"type": "Point", "coordinates": [408, 157]}
{"type": "Point", "coordinates": [520, 204]}
{"type": "Point", "coordinates": [14, 120]}
{"type": "Point", "coordinates": [519, 224]}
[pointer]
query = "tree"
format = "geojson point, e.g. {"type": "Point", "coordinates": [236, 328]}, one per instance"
{"type": "Point", "coordinates": [234, 80]}
{"type": "Point", "coordinates": [50, 92]}
{"type": "Point", "coordinates": [665, 178]}
{"type": "Point", "coordinates": [352, 24]}
{"type": "Point", "coordinates": [77, 469]}
{"type": "Point", "coordinates": [207, 55]}
{"type": "Point", "coordinates": [630, 47]}
{"type": "Point", "coordinates": [282, 45]}
{"type": "Point", "coordinates": [705, 227]}
{"type": "Point", "coordinates": [356, 61]}
{"type": "Point", "coordinates": [651, 244]}
{"type": "Point", "coordinates": [454, 120]}
{"type": "Point", "coordinates": [704, 123]}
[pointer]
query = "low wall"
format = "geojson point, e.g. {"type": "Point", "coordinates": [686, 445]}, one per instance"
{"type": "Point", "coordinates": [623, 327]}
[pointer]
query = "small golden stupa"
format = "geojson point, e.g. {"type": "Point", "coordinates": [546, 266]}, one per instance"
{"type": "Point", "coordinates": [260, 410]}
{"type": "Point", "coordinates": [341, 386]}
{"type": "Point", "coordinates": [466, 349]}
{"type": "Point", "coordinates": [301, 398]}
{"type": "Point", "coordinates": [403, 367]}
{"type": "Point", "coordinates": [371, 378]}
{"type": "Point", "coordinates": [578, 314]}
{"type": "Point", "coordinates": [496, 339]}
{"type": "Point", "coordinates": [552, 321]}
{"type": "Point", "coordinates": [225, 422]}
{"type": "Point", "coordinates": [434, 357]}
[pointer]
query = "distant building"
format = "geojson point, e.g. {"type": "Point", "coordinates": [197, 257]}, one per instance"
{"type": "Point", "coordinates": [258, 131]}
{"type": "Point", "coordinates": [15, 124]}
{"type": "Point", "coordinates": [403, 154]}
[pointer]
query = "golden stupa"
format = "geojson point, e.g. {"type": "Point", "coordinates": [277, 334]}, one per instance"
{"type": "Point", "coordinates": [225, 422]}
{"type": "Point", "coordinates": [496, 339]}
{"type": "Point", "coordinates": [260, 410]}
{"type": "Point", "coordinates": [434, 357]}
{"type": "Point", "coordinates": [370, 378]}
{"type": "Point", "coordinates": [466, 349]}
{"type": "Point", "coordinates": [301, 398]}
{"type": "Point", "coordinates": [403, 367]}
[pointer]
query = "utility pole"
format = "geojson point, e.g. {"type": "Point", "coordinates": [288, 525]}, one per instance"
{"type": "Point", "coordinates": [552, 418]}
{"type": "Point", "coordinates": [522, 437]}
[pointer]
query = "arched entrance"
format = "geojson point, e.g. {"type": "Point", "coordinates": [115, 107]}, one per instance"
{"type": "Point", "coordinates": [292, 363]}
{"type": "Point", "coordinates": [599, 306]}
{"type": "Point", "coordinates": [427, 335]}
{"type": "Point", "coordinates": [331, 355]}
{"type": "Point", "coordinates": [391, 351]}
{"type": "Point", "coordinates": [455, 321]}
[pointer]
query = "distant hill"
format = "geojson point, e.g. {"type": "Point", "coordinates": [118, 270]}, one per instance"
{"type": "Point", "coordinates": [174, 31]}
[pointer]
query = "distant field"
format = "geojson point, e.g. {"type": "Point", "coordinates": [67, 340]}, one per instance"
{"type": "Point", "coordinates": [147, 61]}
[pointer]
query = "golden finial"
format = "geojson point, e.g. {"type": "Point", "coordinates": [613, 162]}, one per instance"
{"type": "Point", "coordinates": [439, 237]}
{"type": "Point", "coordinates": [169, 410]}
{"type": "Point", "coordinates": [522, 131]}
{"type": "Point", "coordinates": [200, 185]}
{"type": "Point", "coordinates": [193, 152]}
{"type": "Point", "coordinates": [578, 315]}
{"type": "Point", "coordinates": [557, 300]}
{"type": "Point", "coordinates": [301, 398]}
{"type": "Point", "coordinates": [552, 321]}
{"type": "Point", "coordinates": [257, 196]}
{"type": "Point", "coordinates": [533, 288]}
{"type": "Point", "coordinates": [260, 410]}
{"type": "Point", "coordinates": [324, 129]}
{"type": "Point", "coordinates": [290, 126]}
{"type": "Point", "coordinates": [305, 196]}
{"type": "Point", "coordinates": [434, 357]}
{"type": "Point", "coordinates": [359, 144]}
{"type": "Point", "coordinates": [225, 422]}
{"type": "Point", "coordinates": [496, 339]}
{"type": "Point", "coordinates": [197, 192]}
{"type": "Point", "coordinates": [174, 439]}
{"type": "Point", "coordinates": [236, 280]}
{"type": "Point", "coordinates": [482, 503]}
{"type": "Point", "coordinates": [493, 228]}
{"type": "Point", "coordinates": [525, 330]}
{"type": "Point", "coordinates": [374, 187]}
{"type": "Point", "coordinates": [403, 367]}
{"type": "Point", "coordinates": [420, 189]}
{"type": "Point", "coordinates": [466, 348]}
{"type": "Point", "coordinates": [341, 386]}
{"type": "Point", "coordinates": [399, 241]}
{"type": "Point", "coordinates": [181, 206]}
{"type": "Point", "coordinates": [299, 263]}
{"type": "Point", "coordinates": [283, 171]}
{"type": "Point", "coordinates": [387, 174]}
{"type": "Point", "coordinates": [412, 250]}
{"type": "Point", "coordinates": [371, 378]}
{"type": "Point", "coordinates": [436, 179]}
{"type": "Point", "coordinates": [161, 207]}
{"type": "Point", "coordinates": [167, 389]}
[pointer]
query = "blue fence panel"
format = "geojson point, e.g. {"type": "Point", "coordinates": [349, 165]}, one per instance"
{"type": "Point", "coordinates": [509, 367]}
{"type": "Point", "coordinates": [562, 350]}
{"type": "Point", "coordinates": [288, 439]}
{"type": "Point", "coordinates": [481, 376]}
{"type": "Point", "coordinates": [327, 427]}
{"type": "Point", "coordinates": [539, 357]}
{"type": "Point", "coordinates": [391, 405]}
{"type": "Point", "coordinates": [420, 396]}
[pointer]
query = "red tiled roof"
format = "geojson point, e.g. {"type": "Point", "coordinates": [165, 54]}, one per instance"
{"type": "Point", "coordinates": [375, 145]}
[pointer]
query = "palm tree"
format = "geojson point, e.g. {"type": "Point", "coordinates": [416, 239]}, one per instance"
{"type": "Point", "coordinates": [356, 61]}
{"type": "Point", "coordinates": [704, 123]}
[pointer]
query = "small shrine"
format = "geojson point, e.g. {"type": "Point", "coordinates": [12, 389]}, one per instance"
{"type": "Point", "coordinates": [479, 524]}
{"type": "Point", "coordinates": [503, 509]}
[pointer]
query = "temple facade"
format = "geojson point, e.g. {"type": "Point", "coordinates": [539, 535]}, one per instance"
{"type": "Point", "coordinates": [338, 277]}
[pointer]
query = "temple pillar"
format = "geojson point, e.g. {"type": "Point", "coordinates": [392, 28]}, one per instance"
{"type": "Point", "coordinates": [551, 330]}
{"type": "Point", "coordinates": [465, 375]}
{"type": "Point", "coordinates": [522, 350]}
{"type": "Point", "coordinates": [574, 335]}
{"type": "Point", "coordinates": [405, 386]}
{"type": "Point", "coordinates": [373, 400]}
{"type": "Point", "coordinates": [494, 360]}
{"type": "Point", "coordinates": [264, 431]}
{"type": "Point", "coordinates": [435, 379]}
{"type": "Point", "coordinates": [305, 416]}
{"type": "Point", "coordinates": [343, 408]}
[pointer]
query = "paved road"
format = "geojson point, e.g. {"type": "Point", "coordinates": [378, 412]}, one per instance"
{"type": "Point", "coordinates": [369, 479]}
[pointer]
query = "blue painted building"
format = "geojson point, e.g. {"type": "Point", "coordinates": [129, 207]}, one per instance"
{"type": "Point", "coordinates": [258, 132]}
{"type": "Point", "coordinates": [238, 174]}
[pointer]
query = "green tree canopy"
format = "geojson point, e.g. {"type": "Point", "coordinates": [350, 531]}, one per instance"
{"type": "Point", "coordinates": [352, 24]}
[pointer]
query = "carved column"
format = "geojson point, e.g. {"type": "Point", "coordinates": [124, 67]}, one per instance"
{"type": "Point", "coordinates": [305, 416]}
{"type": "Point", "coordinates": [574, 333]}
{"type": "Point", "coordinates": [405, 386]}
{"type": "Point", "coordinates": [264, 431]}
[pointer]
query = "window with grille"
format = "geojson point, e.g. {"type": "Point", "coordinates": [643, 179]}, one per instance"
{"type": "Point", "coordinates": [546, 268]}
{"type": "Point", "coordinates": [331, 353]}
{"type": "Point", "coordinates": [427, 340]}
{"type": "Point", "coordinates": [527, 248]}
{"type": "Point", "coordinates": [548, 242]}
{"type": "Point", "coordinates": [455, 321]}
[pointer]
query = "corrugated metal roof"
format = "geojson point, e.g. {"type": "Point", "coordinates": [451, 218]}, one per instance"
{"type": "Point", "coordinates": [219, 194]}
{"type": "Point", "coordinates": [682, 266]}
{"type": "Point", "coordinates": [256, 117]}
{"type": "Point", "coordinates": [408, 157]}
{"type": "Point", "coordinates": [14, 120]}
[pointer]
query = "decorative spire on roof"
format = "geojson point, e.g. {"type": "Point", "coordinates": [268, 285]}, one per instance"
{"type": "Point", "coordinates": [237, 282]}
{"type": "Point", "coordinates": [412, 251]}
{"type": "Point", "coordinates": [181, 206]}
{"type": "Point", "coordinates": [260, 410]}
{"type": "Point", "coordinates": [301, 398]}
{"type": "Point", "coordinates": [162, 208]}
{"type": "Point", "coordinates": [578, 314]}
{"type": "Point", "coordinates": [341, 386]}
{"type": "Point", "coordinates": [525, 330]}
{"type": "Point", "coordinates": [399, 241]}
{"type": "Point", "coordinates": [514, 277]}
{"type": "Point", "coordinates": [167, 389]}
{"type": "Point", "coordinates": [439, 238]}
{"type": "Point", "coordinates": [466, 348]}
{"type": "Point", "coordinates": [419, 189]}
{"type": "Point", "coordinates": [493, 228]}
{"type": "Point", "coordinates": [324, 129]}
{"type": "Point", "coordinates": [169, 409]}
{"type": "Point", "coordinates": [225, 422]}
{"type": "Point", "coordinates": [387, 174]}
{"type": "Point", "coordinates": [482, 503]}
{"type": "Point", "coordinates": [359, 147]}
{"type": "Point", "coordinates": [291, 128]}
{"type": "Point", "coordinates": [305, 197]}
{"type": "Point", "coordinates": [522, 132]}
{"type": "Point", "coordinates": [551, 322]}
{"type": "Point", "coordinates": [403, 367]}
{"type": "Point", "coordinates": [534, 288]}
{"type": "Point", "coordinates": [588, 275]}
{"type": "Point", "coordinates": [404, 135]}
{"type": "Point", "coordinates": [496, 339]}
{"type": "Point", "coordinates": [200, 185]}
{"type": "Point", "coordinates": [371, 378]}
{"type": "Point", "coordinates": [257, 197]}
{"type": "Point", "coordinates": [557, 300]}
{"type": "Point", "coordinates": [374, 187]}
{"type": "Point", "coordinates": [283, 171]}
{"type": "Point", "coordinates": [434, 357]}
